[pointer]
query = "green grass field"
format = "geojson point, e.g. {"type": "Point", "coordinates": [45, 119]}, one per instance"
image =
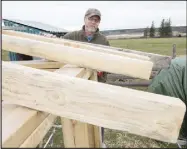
{"type": "Point", "coordinates": [120, 139]}
{"type": "Point", "coordinates": [158, 45]}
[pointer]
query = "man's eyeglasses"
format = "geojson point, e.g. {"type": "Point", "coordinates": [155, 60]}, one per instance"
{"type": "Point", "coordinates": [93, 19]}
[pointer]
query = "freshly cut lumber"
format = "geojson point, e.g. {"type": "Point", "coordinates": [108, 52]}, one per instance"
{"type": "Point", "coordinates": [74, 44]}
{"type": "Point", "coordinates": [38, 134]}
{"type": "Point", "coordinates": [19, 124]}
{"type": "Point", "coordinates": [40, 64]}
{"type": "Point", "coordinates": [80, 57]}
{"type": "Point", "coordinates": [100, 104]}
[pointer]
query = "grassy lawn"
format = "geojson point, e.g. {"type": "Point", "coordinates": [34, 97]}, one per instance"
{"type": "Point", "coordinates": [115, 138]}
{"type": "Point", "coordinates": [158, 45]}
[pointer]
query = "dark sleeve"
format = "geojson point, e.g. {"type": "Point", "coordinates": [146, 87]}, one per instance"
{"type": "Point", "coordinates": [67, 36]}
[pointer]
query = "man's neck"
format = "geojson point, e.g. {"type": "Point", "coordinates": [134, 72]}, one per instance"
{"type": "Point", "coordinates": [89, 33]}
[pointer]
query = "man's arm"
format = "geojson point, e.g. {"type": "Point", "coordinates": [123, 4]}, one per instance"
{"type": "Point", "coordinates": [70, 36]}
{"type": "Point", "coordinates": [67, 36]}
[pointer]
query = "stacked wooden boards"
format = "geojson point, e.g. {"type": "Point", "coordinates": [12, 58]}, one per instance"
{"type": "Point", "coordinates": [99, 104]}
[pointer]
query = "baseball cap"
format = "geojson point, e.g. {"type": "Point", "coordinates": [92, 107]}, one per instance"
{"type": "Point", "coordinates": [92, 12]}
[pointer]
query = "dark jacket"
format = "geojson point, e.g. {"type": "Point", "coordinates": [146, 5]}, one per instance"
{"type": "Point", "coordinates": [172, 81]}
{"type": "Point", "coordinates": [98, 38]}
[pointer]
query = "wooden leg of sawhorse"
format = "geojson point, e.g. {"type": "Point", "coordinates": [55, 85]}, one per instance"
{"type": "Point", "coordinates": [77, 134]}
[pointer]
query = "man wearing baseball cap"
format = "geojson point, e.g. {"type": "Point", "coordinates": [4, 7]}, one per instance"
{"type": "Point", "coordinates": [90, 33]}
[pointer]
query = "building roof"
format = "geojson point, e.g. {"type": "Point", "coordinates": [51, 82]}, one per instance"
{"type": "Point", "coordinates": [38, 25]}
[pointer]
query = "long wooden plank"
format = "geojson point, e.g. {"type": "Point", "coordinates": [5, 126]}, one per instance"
{"type": "Point", "coordinates": [74, 44]}
{"type": "Point", "coordinates": [40, 64]}
{"type": "Point", "coordinates": [80, 57]}
{"type": "Point", "coordinates": [38, 134]}
{"type": "Point", "coordinates": [137, 112]}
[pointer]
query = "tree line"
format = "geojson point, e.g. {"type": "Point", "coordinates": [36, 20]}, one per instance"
{"type": "Point", "coordinates": [165, 29]}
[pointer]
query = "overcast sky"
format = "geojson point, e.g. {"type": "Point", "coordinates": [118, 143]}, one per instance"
{"type": "Point", "coordinates": [115, 14]}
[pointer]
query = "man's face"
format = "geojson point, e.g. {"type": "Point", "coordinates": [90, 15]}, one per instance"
{"type": "Point", "coordinates": [91, 23]}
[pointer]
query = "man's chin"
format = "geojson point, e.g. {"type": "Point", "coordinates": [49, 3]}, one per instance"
{"type": "Point", "coordinates": [91, 29]}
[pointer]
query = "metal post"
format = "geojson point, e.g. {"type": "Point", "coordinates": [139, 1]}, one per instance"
{"type": "Point", "coordinates": [174, 51]}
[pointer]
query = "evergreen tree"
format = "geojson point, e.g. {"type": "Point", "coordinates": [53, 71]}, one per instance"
{"type": "Point", "coordinates": [162, 29]}
{"type": "Point", "coordinates": [168, 29]}
{"type": "Point", "coordinates": [152, 30]}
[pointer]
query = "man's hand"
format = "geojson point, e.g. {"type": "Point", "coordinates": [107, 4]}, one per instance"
{"type": "Point", "coordinates": [100, 74]}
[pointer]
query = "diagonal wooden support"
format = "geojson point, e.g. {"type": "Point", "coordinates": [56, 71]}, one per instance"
{"type": "Point", "coordinates": [81, 57]}
{"type": "Point", "coordinates": [137, 112]}
{"type": "Point", "coordinates": [18, 124]}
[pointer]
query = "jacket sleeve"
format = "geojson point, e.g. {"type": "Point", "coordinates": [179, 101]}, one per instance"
{"type": "Point", "coordinates": [67, 36]}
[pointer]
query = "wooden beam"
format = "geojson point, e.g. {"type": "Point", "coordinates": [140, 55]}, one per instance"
{"type": "Point", "coordinates": [160, 61]}
{"type": "Point", "coordinates": [74, 44]}
{"type": "Point", "coordinates": [125, 109]}
{"type": "Point", "coordinates": [40, 64]}
{"type": "Point", "coordinates": [80, 57]}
